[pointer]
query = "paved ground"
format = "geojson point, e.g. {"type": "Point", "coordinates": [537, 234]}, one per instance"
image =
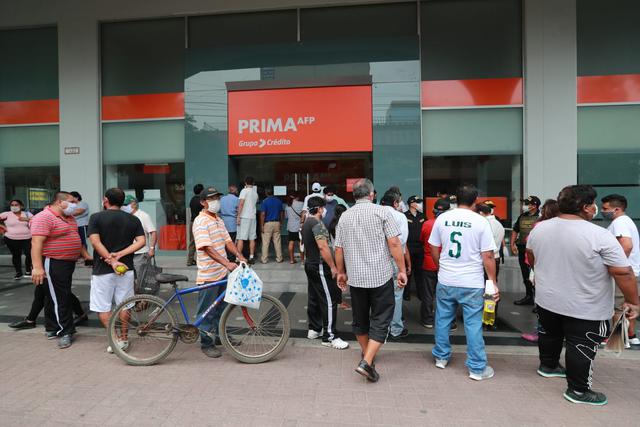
{"type": "Point", "coordinates": [306, 385]}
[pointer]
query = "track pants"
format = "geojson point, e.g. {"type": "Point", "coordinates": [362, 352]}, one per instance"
{"type": "Point", "coordinates": [582, 337]}
{"type": "Point", "coordinates": [58, 308]}
{"type": "Point", "coordinates": [324, 297]}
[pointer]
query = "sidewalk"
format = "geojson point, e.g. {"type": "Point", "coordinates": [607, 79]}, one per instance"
{"type": "Point", "coordinates": [307, 385]}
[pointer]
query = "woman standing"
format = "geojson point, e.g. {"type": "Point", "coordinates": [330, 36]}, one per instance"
{"type": "Point", "coordinates": [18, 236]}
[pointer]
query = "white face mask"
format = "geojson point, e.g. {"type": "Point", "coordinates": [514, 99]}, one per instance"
{"type": "Point", "coordinates": [525, 208]}
{"type": "Point", "coordinates": [213, 206]}
{"type": "Point", "coordinates": [328, 198]}
{"type": "Point", "coordinates": [419, 207]}
{"type": "Point", "coordinates": [15, 209]}
{"type": "Point", "coordinates": [126, 208]}
{"type": "Point", "coordinates": [71, 207]}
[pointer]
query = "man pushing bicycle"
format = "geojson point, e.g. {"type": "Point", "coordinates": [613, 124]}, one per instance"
{"type": "Point", "coordinates": [211, 239]}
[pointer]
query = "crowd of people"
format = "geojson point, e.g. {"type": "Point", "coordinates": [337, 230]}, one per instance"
{"type": "Point", "coordinates": [569, 265]}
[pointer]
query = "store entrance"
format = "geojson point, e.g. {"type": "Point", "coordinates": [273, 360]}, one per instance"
{"type": "Point", "coordinates": [298, 172]}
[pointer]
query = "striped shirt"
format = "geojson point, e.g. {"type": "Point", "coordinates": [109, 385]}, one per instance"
{"type": "Point", "coordinates": [61, 232]}
{"type": "Point", "coordinates": [210, 231]}
{"type": "Point", "coordinates": [362, 233]}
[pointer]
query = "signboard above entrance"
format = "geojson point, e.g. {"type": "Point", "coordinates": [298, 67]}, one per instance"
{"type": "Point", "coordinates": [308, 120]}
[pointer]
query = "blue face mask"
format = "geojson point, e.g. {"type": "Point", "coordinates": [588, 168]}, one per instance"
{"type": "Point", "coordinates": [608, 215]}
{"type": "Point", "coordinates": [126, 208]}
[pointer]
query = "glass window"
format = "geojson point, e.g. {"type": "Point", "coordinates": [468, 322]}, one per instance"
{"type": "Point", "coordinates": [143, 142]}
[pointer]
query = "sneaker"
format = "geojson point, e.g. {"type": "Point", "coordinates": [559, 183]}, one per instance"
{"type": "Point", "coordinates": [336, 343]}
{"type": "Point", "coordinates": [124, 345]}
{"type": "Point", "coordinates": [588, 397]}
{"type": "Point", "coordinates": [312, 335]}
{"type": "Point", "coordinates": [369, 372]}
{"type": "Point", "coordinates": [532, 337]}
{"type": "Point", "coordinates": [428, 325]}
{"type": "Point", "coordinates": [22, 324]}
{"type": "Point", "coordinates": [18, 276]}
{"type": "Point", "coordinates": [212, 352]}
{"type": "Point", "coordinates": [393, 338]}
{"type": "Point", "coordinates": [558, 372]}
{"type": "Point", "coordinates": [64, 341]}
{"type": "Point", "coordinates": [51, 335]}
{"type": "Point", "coordinates": [441, 363]}
{"type": "Point", "coordinates": [27, 274]}
{"type": "Point", "coordinates": [484, 375]}
{"type": "Point", "coordinates": [634, 342]}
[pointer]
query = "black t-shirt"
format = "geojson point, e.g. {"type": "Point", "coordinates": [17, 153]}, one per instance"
{"type": "Point", "coordinates": [117, 230]}
{"type": "Point", "coordinates": [195, 206]}
{"type": "Point", "coordinates": [313, 230]}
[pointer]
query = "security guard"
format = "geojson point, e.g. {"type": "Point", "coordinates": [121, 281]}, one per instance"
{"type": "Point", "coordinates": [415, 218]}
{"type": "Point", "coordinates": [521, 229]}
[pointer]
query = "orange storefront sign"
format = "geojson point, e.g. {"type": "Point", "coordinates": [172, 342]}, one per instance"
{"type": "Point", "coordinates": [307, 120]}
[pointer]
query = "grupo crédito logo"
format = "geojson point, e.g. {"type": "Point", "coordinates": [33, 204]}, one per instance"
{"type": "Point", "coordinates": [269, 126]}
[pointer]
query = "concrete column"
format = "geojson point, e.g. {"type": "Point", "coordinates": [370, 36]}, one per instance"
{"type": "Point", "coordinates": [550, 115]}
{"type": "Point", "coordinates": [79, 86]}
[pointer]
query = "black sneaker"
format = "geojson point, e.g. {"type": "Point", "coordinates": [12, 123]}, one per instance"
{"type": "Point", "coordinates": [18, 276]}
{"type": "Point", "coordinates": [27, 274]}
{"type": "Point", "coordinates": [22, 324]}
{"type": "Point", "coordinates": [587, 398]}
{"type": "Point", "coordinates": [527, 300]}
{"type": "Point", "coordinates": [51, 335]}
{"type": "Point", "coordinates": [212, 352]}
{"type": "Point", "coordinates": [558, 372]}
{"type": "Point", "coordinates": [369, 372]}
{"type": "Point", "coordinates": [403, 334]}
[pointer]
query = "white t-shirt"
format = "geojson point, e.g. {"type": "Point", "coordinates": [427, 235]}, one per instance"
{"type": "Point", "coordinates": [498, 234]}
{"type": "Point", "coordinates": [148, 227]}
{"type": "Point", "coordinates": [403, 225]}
{"type": "Point", "coordinates": [623, 226]}
{"type": "Point", "coordinates": [571, 259]}
{"type": "Point", "coordinates": [463, 236]}
{"type": "Point", "coordinates": [305, 205]}
{"type": "Point", "coordinates": [83, 219]}
{"type": "Point", "coordinates": [250, 197]}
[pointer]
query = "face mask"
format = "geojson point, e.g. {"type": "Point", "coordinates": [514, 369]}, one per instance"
{"type": "Point", "coordinates": [126, 208]}
{"type": "Point", "coordinates": [71, 207]}
{"type": "Point", "coordinates": [419, 207]}
{"type": "Point", "coordinates": [525, 208]}
{"type": "Point", "coordinates": [15, 209]}
{"type": "Point", "coordinates": [329, 198]}
{"type": "Point", "coordinates": [608, 215]}
{"type": "Point", "coordinates": [214, 206]}
{"type": "Point", "coordinates": [595, 214]}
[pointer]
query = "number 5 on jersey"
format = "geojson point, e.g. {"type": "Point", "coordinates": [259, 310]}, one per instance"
{"type": "Point", "coordinates": [455, 251]}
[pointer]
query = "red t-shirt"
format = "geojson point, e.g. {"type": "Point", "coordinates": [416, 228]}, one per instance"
{"type": "Point", "coordinates": [428, 263]}
{"type": "Point", "coordinates": [63, 240]}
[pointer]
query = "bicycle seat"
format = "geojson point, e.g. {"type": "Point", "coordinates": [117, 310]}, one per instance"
{"type": "Point", "coordinates": [170, 278]}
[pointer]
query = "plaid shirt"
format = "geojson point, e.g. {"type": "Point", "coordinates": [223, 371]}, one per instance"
{"type": "Point", "coordinates": [362, 233]}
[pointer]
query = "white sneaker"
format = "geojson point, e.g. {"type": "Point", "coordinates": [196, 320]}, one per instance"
{"type": "Point", "coordinates": [336, 343]}
{"type": "Point", "coordinates": [484, 375]}
{"type": "Point", "coordinates": [312, 335]}
{"type": "Point", "coordinates": [123, 345]}
{"type": "Point", "coordinates": [441, 363]}
{"type": "Point", "coordinates": [634, 341]}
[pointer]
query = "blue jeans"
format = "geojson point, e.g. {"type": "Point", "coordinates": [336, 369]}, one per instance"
{"type": "Point", "coordinates": [447, 300]}
{"type": "Point", "coordinates": [397, 325]}
{"type": "Point", "coordinates": [210, 323]}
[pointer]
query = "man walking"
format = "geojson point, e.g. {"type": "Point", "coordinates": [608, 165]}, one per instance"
{"type": "Point", "coordinates": [391, 201]}
{"type": "Point", "coordinates": [246, 217]}
{"type": "Point", "coordinates": [461, 244]}
{"type": "Point", "coordinates": [415, 219]}
{"type": "Point", "coordinates": [115, 236]}
{"type": "Point", "coordinates": [427, 289]}
{"type": "Point", "coordinates": [55, 248]}
{"type": "Point", "coordinates": [614, 208]}
{"type": "Point", "coordinates": [194, 207]}
{"type": "Point", "coordinates": [521, 229]}
{"type": "Point", "coordinates": [212, 243]}
{"type": "Point", "coordinates": [324, 294]}
{"type": "Point", "coordinates": [574, 261]}
{"type": "Point", "coordinates": [148, 251]}
{"type": "Point", "coordinates": [271, 216]}
{"type": "Point", "coordinates": [366, 246]}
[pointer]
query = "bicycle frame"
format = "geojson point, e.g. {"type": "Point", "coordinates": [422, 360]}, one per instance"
{"type": "Point", "coordinates": [180, 292]}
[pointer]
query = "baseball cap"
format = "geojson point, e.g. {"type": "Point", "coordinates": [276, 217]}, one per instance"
{"type": "Point", "coordinates": [414, 199]}
{"type": "Point", "coordinates": [316, 187]}
{"type": "Point", "coordinates": [209, 192]}
{"type": "Point", "coordinates": [442, 205]}
{"type": "Point", "coordinates": [129, 199]}
{"type": "Point", "coordinates": [489, 203]}
{"type": "Point", "coordinates": [532, 200]}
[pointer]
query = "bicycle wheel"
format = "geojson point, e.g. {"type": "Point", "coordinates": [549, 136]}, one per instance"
{"type": "Point", "coordinates": [149, 329]}
{"type": "Point", "coordinates": [255, 336]}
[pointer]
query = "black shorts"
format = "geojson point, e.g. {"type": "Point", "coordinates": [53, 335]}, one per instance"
{"type": "Point", "coordinates": [372, 310]}
{"type": "Point", "coordinates": [294, 237]}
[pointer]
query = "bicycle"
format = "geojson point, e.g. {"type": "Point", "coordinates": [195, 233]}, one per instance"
{"type": "Point", "coordinates": [151, 327]}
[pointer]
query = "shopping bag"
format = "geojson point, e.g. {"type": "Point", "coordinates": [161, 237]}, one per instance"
{"type": "Point", "coordinates": [619, 336]}
{"type": "Point", "coordinates": [244, 287]}
{"type": "Point", "coordinates": [146, 282]}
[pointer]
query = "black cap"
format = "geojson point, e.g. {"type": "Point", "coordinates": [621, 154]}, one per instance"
{"type": "Point", "coordinates": [414, 199]}
{"type": "Point", "coordinates": [442, 205]}
{"type": "Point", "coordinates": [209, 192]}
{"type": "Point", "coordinates": [532, 200]}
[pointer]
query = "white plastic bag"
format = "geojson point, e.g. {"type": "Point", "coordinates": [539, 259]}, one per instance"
{"type": "Point", "coordinates": [244, 287]}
